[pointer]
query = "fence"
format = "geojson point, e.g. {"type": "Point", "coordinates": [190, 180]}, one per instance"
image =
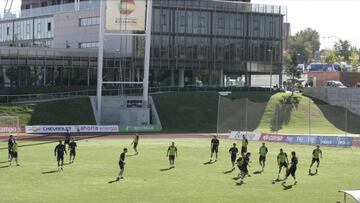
{"type": "Point", "coordinates": [289, 115]}
{"type": "Point", "coordinates": [135, 91]}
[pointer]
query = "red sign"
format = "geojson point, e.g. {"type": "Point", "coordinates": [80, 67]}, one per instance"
{"type": "Point", "coordinates": [356, 142]}
{"type": "Point", "coordinates": [11, 129]}
{"type": "Point", "coordinates": [272, 138]}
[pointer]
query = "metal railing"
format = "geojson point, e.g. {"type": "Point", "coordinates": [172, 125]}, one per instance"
{"type": "Point", "coordinates": [134, 91]}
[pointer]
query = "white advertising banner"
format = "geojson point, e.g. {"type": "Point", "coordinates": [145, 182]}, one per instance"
{"type": "Point", "coordinates": [238, 135]}
{"type": "Point", "coordinates": [126, 15]}
{"type": "Point", "coordinates": [49, 129]}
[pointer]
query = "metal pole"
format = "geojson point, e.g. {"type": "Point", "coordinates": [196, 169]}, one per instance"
{"type": "Point", "coordinates": [100, 62]}
{"type": "Point", "coordinates": [246, 114]}
{"type": "Point", "coordinates": [309, 121]}
{"type": "Point", "coordinates": [147, 53]}
{"type": "Point", "coordinates": [218, 115]}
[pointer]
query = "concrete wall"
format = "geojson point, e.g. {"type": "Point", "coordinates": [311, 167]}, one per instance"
{"type": "Point", "coordinates": [348, 98]}
{"type": "Point", "coordinates": [67, 31]}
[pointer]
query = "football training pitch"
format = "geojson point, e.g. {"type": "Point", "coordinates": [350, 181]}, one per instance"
{"type": "Point", "coordinates": [91, 178]}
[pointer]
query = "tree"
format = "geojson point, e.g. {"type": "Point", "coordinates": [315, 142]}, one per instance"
{"type": "Point", "coordinates": [343, 48]}
{"type": "Point", "coordinates": [354, 60]}
{"type": "Point", "coordinates": [291, 70]}
{"type": "Point", "coordinates": [331, 57]}
{"type": "Point", "coordinates": [12, 74]}
{"type": "Point", "coordinates": [306, 43]}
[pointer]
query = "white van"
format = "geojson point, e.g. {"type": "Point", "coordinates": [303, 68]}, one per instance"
{"type": "Point", "coordinates": [334, 84]}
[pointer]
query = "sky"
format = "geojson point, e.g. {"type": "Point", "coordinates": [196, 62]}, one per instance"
{"type": "Point", "coordinates": [332, 18]}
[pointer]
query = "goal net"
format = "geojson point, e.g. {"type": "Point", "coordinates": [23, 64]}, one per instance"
{"type": "Point", "coordinates": [9, 125]}
{"type": "Point", "coordinates": [236, 114]}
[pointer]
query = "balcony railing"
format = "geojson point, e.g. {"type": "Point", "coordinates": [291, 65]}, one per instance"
{"type": "Point", "coordinates": [50, 10]}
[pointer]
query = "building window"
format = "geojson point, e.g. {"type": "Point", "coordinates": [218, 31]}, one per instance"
{"type": "Point", "coordinates": [84, 45]}
{"type": "Point", "coordinates": [183, 20]}
{"type": "Point", "coordinates": [7, 31]}
{"type": "Point", "coordinates": [221, 23]}
{"type": "Point", "coordinates": [163, 19]}
{"type": "Point", "coordinates": [49, 26]}
{"type": "Point", "coordinates": [238, 24]}
{"type": "Point", "coordinates": [91, 21]}
{"type": "Point", "coordinates": [202, 22]}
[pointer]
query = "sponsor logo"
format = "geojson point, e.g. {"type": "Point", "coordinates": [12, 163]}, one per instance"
{"type": "Point", "coordinates": [238, 135]}
{"type": "Point", "coordinates": [272, 138]}
{"type": "Point", "coordinates": [126, 7]}
{"type": "Point", "coordinates": [72, 129]}
{"type": "Point", "coordinates": [11, 129]}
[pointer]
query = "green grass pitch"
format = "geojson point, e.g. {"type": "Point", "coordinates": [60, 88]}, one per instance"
{"type": "Point", "coordinates": [191, 181]}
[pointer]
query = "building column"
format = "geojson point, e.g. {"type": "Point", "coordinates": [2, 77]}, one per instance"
{"type": "Point", "coordinates": [280, 79]}
{"type": "Point", "coordinates": [88, 77]}
{"type": "Point", "coordinates": [248, 80]}
{"type": "Point", "coordinates": [181, 77]}
{"type": "Point", "coordinates": [172, 78]}
{"type": "Point", "coordinates": [138, 74]}
{"type": "Point", "coordinates": [44, 76]}
{"type": "Point", "coordinates": [221, 79]}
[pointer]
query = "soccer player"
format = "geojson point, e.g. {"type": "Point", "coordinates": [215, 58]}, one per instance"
{"type": "Point", "coordinates": [244, 145]}
{"type": "Point", "coordinates": [262, 158]}
{"type": "Point", "coordinates": [10, 143]}
{"type": "Point", "coordinates": [67, 138]}
{"type": "Point", "coordinates": [239, 163]}
{"type": "Point", "coordinates": [122, 164]}
{"type": "Point", "coordinates": [14, 152]}
{"type": "Point", "coordinates": [214, 148]}
{"type": "Point", "coordinates": [171, 153]}
{"type": "Point", "coordinates": [233, 152]}
{"type": "Point", "coordinates": [72, 148]}
{"type": "Point", "coordinates": [59, 153]}
{"type": "Point", "coordinates": [243, 167]}
{"type": "Point", "coordinates": [135, 144]}
{"type": "Point", "coordinates": [283, 161]}
{"type": "Point", "coordinates": [317, 154]}
{"type": "Point", "coordinates": [292, 169]}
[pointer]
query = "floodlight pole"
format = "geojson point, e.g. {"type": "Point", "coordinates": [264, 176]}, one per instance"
{"type": "Point", "coordinates": [147, 53]}
{"type": "Point", "coordinates": [100, 63]}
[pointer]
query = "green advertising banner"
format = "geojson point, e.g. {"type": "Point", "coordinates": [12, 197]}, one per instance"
{"type": "Point", "coordinates": [139, 128]}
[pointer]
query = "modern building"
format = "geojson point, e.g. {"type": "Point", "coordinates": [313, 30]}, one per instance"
{"type": "Point", "coordinates": [194, 42]}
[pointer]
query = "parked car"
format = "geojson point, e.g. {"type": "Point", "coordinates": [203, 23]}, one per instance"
{"type": "Point", "coordinates": [334, 84]}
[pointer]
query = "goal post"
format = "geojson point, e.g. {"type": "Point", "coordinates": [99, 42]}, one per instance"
{"type": "Point", "coordinates": [9, 125]}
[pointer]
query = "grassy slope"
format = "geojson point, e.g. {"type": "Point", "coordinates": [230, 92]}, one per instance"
{"type": "Point", "coordinates": [197, 112]}
{"type": "Point", "coordinates": [191, 181]}
{"type": "Point", "coordinates": [74, 111]}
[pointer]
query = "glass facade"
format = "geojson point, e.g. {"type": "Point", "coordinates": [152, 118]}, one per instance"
{"type": "Point", "coordinates": [215, 35]}
{"type": "Point", "coordinates": [194, 42]}
{"type": "Point", "coordinates": [27, 32]}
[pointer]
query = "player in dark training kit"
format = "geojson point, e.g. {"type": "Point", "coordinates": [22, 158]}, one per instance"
{"type": "Point", "coordinates": [10, 142]}
{"type": "Point", "coordinates": [317, 154]}
{"type": "Point", "coordinates": [59, 152]}
{"type": "Point", "coordinates": [214, 148]}
{"type": "Point", "coordinates": [122, 164]}
{"type": "Point", "coordinates": [14, 152]}
{"type": "Point", "coordinates": [244, 145]}
{"type": "Point", "coordinates": [292, 169]}
{"type": "Point", "coordinates": [135, 144]}
{"type": "Point", "coordinates": [233, 153]}
{"type": "Point", "coordinates": [283, 161]}
{"type": "Point", "coordinates": [171, 153]}
{"type": "Point", "coordinates": [262, 158]}
{"type": "Point", "coordinates": [72, 149]}
{"type": "Point", "coordinates": [243, 168]}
